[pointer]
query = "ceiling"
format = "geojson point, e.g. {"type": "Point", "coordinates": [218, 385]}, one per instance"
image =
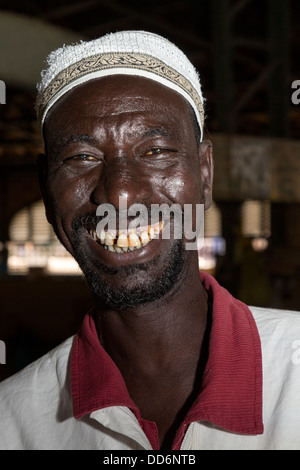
{"type": "Point", "coordinates": [227, 40]}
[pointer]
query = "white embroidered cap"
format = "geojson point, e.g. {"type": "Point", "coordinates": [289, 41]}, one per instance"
{"type": "Point", "coordinates": [126, 52]}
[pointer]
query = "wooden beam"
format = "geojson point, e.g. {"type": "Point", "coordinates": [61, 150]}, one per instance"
{"type": "Point", "coordinates": [279, 77]}
{"type": "Point", "coordinates": [67, 10]}
{"type": "Point", "coordinates": [223, 65]}
{"type": "Point", "coordinates": [251, 167]}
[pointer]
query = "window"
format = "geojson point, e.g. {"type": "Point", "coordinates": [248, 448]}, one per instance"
{"type": "Point", "coordinates": [213, 244]}
{"type": "Point", "coordinates": [33, 245]}
{"type": "Point", "coordinates": [256, 223]}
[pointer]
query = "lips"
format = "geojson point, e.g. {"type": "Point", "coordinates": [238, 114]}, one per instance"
{"type": "Point", "coordinates": [124, 241]}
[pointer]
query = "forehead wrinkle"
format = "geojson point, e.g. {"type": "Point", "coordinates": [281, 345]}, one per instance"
{"type": "Point", "coordinates": [131, 124]}
{"type": "Point", "coordinates": [136, 126]}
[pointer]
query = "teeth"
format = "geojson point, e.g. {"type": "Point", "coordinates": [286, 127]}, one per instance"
{"type": "Point", "coordinates": [109, 239]}
{"type": "Point", "coordinates": [144, 237]}
{"type": "Point", "coordinates": [122, 242]}
{"type": "Point", "coordinates": [151, 232]}
{"type": "Point", "coordinates": [158, 227]}
{"type": "Point", "coordinates": [102, 236]}
{"type": "Point", "coordinates": [134, 240]}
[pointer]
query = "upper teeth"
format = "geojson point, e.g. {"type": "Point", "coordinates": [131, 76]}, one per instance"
{"type": "Point", "coordinates": [127, 240]}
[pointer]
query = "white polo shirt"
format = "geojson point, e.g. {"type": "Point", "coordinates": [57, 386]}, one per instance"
{"type": "Point", "coordinates": [74, 397]}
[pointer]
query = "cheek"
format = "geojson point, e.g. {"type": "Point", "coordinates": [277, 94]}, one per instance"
{"type": "Point", "coordinates": [175, 188]}
{"type": "Point", "coordinates": [67, 198]}
{"type": "Point", "coordinates": [183, 186]}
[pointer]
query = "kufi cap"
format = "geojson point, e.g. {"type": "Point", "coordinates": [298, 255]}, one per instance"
{"type": "Point", "coordinates": [127, 52]}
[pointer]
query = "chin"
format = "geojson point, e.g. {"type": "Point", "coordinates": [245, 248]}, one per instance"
{"type": "Point", "coordinates": [129, 286]}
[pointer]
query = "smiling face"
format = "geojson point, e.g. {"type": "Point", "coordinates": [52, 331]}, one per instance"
{"type": "Point", "coordinates": [127, 137]}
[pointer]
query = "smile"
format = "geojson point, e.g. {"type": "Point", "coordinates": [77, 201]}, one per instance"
{"type": "Point", "coordinates": [124, 241]}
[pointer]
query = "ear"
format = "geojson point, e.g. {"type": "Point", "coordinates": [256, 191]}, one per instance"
{"type": "Point", "coordinates": [42, 174]}
{"type": "Point", "coordinates": [207, 171]}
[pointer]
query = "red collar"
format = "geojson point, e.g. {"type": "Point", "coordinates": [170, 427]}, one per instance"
{"type": "Point", "coordinates": [231, 390]}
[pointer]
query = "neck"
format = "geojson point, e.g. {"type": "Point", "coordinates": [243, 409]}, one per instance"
{"type": "Point", "coordinates": [160, 349]}
{"type": "Point", "coordinates": [164, 333]}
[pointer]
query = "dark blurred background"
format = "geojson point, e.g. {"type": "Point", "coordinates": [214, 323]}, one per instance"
{"type": "Point", "coordinates": [247, 54]}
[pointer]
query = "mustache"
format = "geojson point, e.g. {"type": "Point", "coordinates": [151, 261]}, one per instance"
{"type": "Point", "coordinates": [85, 221]}
{"type": "Point", "coordinates": [90, 220]}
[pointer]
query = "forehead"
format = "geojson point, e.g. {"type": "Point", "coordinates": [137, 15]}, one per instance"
{"type": "Point", "coordinates": [107, 99]}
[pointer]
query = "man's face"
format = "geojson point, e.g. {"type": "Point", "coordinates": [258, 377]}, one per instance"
{"type": "Point", "coordinates": [123, 137]}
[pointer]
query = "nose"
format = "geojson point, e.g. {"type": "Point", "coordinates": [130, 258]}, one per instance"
{"type": "Point", "coordinates": [123, 178]}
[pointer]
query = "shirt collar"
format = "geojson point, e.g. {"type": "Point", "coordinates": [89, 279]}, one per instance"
{"type": "Point", "coordinates": [231, 392]}
{"type": "Point", "coordinates": [96, 382]}
{"type": "Point", "coordinates": [231, 389]}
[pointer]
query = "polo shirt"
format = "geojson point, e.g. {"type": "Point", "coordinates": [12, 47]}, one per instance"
{"type": "Point", "coordinates": [75, 398]}
{"type": "Point", "coordinates": [231, 390]}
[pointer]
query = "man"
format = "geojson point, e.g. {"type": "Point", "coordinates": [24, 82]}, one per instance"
{"type": "Point", "coordinates": [167, 359]}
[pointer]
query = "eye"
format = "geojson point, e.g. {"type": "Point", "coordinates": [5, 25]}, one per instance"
{"type": "Point", "coordinates": [154, 151]}
{"type": "Point", "coordinates": [83, 157]}
{"type": "Point", "coordinates": [161, 152]}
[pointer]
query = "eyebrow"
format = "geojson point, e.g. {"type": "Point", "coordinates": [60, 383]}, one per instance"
{"type": "Point", "coordinates": [77, 138]}
{"type": "Point", "coordinates": [158, 132]}
{"type": "Point", "coordinates": [152, 132]}
{"type": "Point", "coordinates": [66, 141]}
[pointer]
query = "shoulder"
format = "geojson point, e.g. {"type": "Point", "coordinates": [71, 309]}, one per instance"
{"type": "Point", "coordinates": [54, 360]}
{"type": "Point", "coordinates": [44, 376]}
{"type": "Point", "coordinates": [276, 323]}
{"type": "Point", "coordinates": [35, 399]}
{"type": "Point", "coordinates": [279, 332]}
